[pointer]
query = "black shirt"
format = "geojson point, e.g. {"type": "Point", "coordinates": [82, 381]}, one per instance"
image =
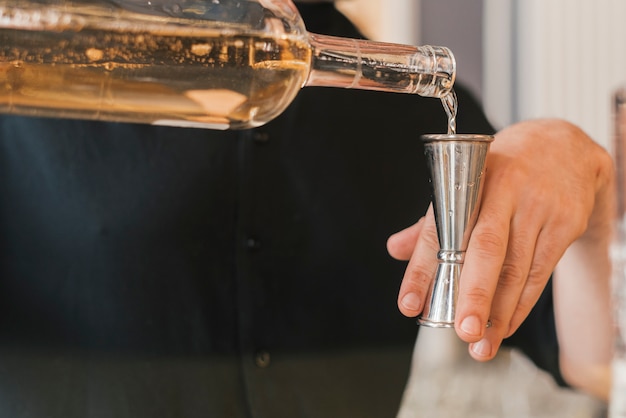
{"type": "Point", "coordinates": [166, 272]}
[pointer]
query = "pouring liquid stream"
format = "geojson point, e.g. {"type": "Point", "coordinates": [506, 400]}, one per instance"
{"type": "Point", "coordinates": [450, 105]}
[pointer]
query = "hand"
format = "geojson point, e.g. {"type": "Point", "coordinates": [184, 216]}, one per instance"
{"type": "Point", "coordinates": [541, 188]}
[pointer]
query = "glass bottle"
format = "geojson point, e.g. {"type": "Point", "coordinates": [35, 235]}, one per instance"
{"type": "Point", "coordinates": [219, 64]}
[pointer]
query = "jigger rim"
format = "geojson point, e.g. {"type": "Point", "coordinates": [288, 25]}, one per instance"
{"type": "Point", "coordinates": [457, 137]}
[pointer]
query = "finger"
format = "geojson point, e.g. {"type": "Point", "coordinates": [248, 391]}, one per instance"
{"type": "Point", "coordinates": [420, 270]}
{"type": "Point", "coordinates": [542, 265]}
{"type": "Point", "coordinates": [401, 244]}
{"type": "Point", "coordinates": [484, 259]}
{"type": "Point", "coordinates": [510, 286]}
{"type": "Point", "coordinates": [547, 254]}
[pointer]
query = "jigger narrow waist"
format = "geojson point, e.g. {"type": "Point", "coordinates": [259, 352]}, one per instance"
{"type": "Point", "coordinates": [448, 256]}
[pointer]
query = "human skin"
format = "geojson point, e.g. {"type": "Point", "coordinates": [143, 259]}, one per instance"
{"type": "Point", "coordinates": [548, 200]}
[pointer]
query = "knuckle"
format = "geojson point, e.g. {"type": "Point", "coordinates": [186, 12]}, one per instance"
{"type": "Point", "coordinates": [510, 171]}
{"type": "Point", "coordinates": [540, 270]}
{"type": "Point", "coordinates": [606, 167]}
{"type": "Point", "coordinates": [430, 237]}
{"type": "Point", "coordinates": [420, 275]}
{"type": "Point", "coordinates": [511, 275]}
{"type": "Point", "coordinates": [477, 296]}
{"type": "Point", "coordinates": [576, 222]}
{"type": "Point", "coordinates": [488, 243]}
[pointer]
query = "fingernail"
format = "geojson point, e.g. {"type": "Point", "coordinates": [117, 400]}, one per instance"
{"type": "Point", "coordinates": [482, 348]}
{"type": "Point", "coordinates": [471, 325]}
{"type": "Point", "coordinates": [411, 301]}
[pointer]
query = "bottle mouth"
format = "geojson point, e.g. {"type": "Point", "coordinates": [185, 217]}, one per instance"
{"type": "Point", "coordinates": [445, 63]}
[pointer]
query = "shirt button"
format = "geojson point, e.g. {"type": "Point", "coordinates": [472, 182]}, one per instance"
{"type": "Point", "coordinates": [262, 359]}
{"type": "Point", "coordinates": [260, 137]}
{"type": "Point", "coordinates": [253, 243]}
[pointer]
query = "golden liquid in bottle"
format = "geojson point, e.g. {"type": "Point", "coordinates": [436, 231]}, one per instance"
{"type": "Point", "coordinates": [202, 78]}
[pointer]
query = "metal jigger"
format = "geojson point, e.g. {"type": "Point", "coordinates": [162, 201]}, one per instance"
{"type": "Point", "coordinates": [456, 165]}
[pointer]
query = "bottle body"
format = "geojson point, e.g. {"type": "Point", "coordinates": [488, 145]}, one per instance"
{"type": "Point", "coordinates": [197, 63]}
{"type": "Point", "coordinates": [132, 67]}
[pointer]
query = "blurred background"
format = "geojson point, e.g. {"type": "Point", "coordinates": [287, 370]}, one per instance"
{"type": "Point", "coordinates": [521, 58]}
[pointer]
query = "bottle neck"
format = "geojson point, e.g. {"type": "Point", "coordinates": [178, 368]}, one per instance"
{"type": "Point", "coordinates": [367, 65]}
